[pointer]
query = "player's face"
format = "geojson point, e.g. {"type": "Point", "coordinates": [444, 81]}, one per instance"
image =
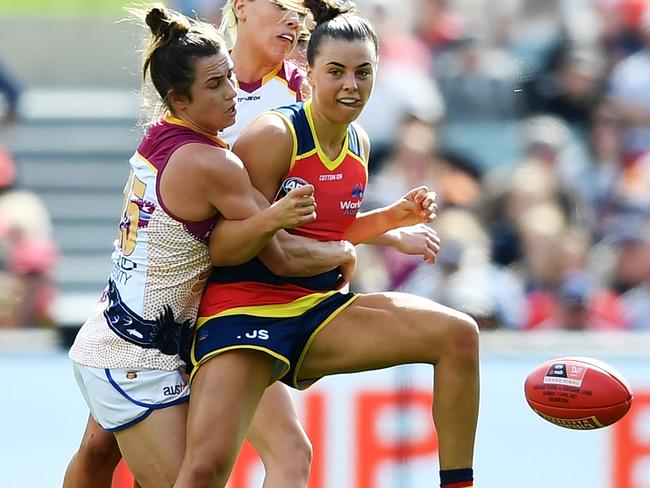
{"type": "Point", "coordinates": [272, 25]}
{"type": "Point", "coordinates": [342, 77]}
{"type": "Point", "coordinates": [213, 105]}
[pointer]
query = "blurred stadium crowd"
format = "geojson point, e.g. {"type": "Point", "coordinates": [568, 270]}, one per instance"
{"type": "Point", "coordinates": [529, 118]}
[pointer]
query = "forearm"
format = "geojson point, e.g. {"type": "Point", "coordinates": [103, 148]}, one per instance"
{"type": "Point", "coordinates": [370, 226]}
{"type": "Point", "coordinates": [387, 239]}
{"type": "Point", "coordinates": [235, 242]}
{"type": "Point", "coordinates": [289, 255]}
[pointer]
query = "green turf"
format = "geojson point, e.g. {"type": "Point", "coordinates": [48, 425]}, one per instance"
{"type": "Point", "coordinates": [62, 7]}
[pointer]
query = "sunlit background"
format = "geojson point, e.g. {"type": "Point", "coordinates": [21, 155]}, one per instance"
{"type": "Point", "coordinates": [529, 118]}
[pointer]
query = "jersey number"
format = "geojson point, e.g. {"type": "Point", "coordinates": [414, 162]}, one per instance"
{"type": "Point", "coordinates": [133, 190]}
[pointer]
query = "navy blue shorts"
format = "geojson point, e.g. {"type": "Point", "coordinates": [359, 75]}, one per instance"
{"type": "Point", "coordinates": [284, 332]}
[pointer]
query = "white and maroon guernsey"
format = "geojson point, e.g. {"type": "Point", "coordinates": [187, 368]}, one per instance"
{"type": "Point", "coordinates": [159, 260]}
{"type": "Point", "coordinates": [280, 87]}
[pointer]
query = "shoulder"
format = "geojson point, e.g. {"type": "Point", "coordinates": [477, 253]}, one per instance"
{"type": "Point", "coordinates": [363, 138]}
{"type": "Point", "coordinates": [208, 162]}
{"type": "Point", "coordinates": [266, 144]}
{"type": "Point", "coordinates": [268, 126]}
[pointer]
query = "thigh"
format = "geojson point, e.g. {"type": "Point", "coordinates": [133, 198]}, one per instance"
{"type": "Point", "coordinates": [381, 330]}
{"type": "Point", "coordinates": [154, 448]}
{"type": "Point", "coordinates": [226, 391]}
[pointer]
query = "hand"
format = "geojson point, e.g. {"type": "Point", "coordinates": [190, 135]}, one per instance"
{"type": "Point", "coordinates": [349, 267]}
{"type": "Point", "coordinates": [416, 207]}
{"type": "Point", "coordinates": [427, 201]}
{"type": "Point", "coordinates": [418, 240]}
{"type": "Point", "coordinates": [296, 208]}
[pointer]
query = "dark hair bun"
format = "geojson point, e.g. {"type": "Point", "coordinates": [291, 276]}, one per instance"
{"type": "Point", "coordinates": [325, 10]}
{"type": "Point", "coordinates": [164, 24]}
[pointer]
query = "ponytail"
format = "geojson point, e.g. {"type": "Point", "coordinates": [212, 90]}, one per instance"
{"type": "Point", "coordinates": [175, 42]}
{"type": "Point", "coordinates": [337, 20]}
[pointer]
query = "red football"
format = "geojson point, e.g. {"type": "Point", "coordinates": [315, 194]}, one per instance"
{"type": "Point", "coordinates": [578, 393]}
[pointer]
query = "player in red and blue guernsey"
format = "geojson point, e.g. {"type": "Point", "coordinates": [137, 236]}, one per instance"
{"type": "Point", "coordinates": [255, 328]}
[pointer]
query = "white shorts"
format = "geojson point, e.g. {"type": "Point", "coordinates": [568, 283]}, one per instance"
{"type": "Point", "coordinates": [120, 398]}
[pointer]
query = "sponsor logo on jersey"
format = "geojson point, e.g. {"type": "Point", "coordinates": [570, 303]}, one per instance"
{"type": "Point", "coordinates": [290, 184]}
{"type": "Point", "coordinates": [331, 177]}
{"type": "Point", "coordinates": [249, 98]}
{"type": "Point", "coordinates": [147, 208]}
{"type": "Point", "coordinates": [350, 207]}
{"type": "Point", "coordinates": [261, 334]}
{"type": "Point", "coordinates": [119, 275]}
{"type": "Point", "coordinates": [126, 264]}
{"type": "Point", "coordinates": [131, 375]}
{"type": "Point", "coordinates": [174, 389]}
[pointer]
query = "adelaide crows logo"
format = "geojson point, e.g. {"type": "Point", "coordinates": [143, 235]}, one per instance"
{"type": "Point", "coordinates": [290, 184]}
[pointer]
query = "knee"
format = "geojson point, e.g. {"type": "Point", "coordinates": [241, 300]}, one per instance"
{"type": "Point", "coordinates": [100, 451]}
{"type": "Point", "coordinates": [464, 339]}
{"type": "Point", "coordinates": [290, 460]}
{"type": "Point", "coordinates": [203, 469]}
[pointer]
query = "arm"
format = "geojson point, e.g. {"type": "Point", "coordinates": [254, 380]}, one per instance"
{"type": "Point", "coordinates": [284, 254]}
{"type": "Point", "coordinates": [289, 255]}
{"type": "Point", "coordinates": [415, 240]}
{"type": "Point", "coordinates": [266, 147]}
{"type": "Point", "coordinates": [416, 207]}
{"type": "Point", "coordinates": [200, 179]}
{"type": "Point", "coordinates": [234, 242]}
{"type": "Point", "coordinates": [385, 227]}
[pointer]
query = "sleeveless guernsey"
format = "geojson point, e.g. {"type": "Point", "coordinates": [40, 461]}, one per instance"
{"type": "Point", "coordinates": [160, 263]}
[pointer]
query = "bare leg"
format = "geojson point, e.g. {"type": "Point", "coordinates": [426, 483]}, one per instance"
{"type": "Point", "coordinates": [153, 449]}
{"type": "Point", "coordinates": [280, 440]}
{"type": "Point", "coordinates": [93, 464]}
{"type": "Point", "coordinates": [383, 330]}
{"type": "Point", "coordinates": [225, 394]}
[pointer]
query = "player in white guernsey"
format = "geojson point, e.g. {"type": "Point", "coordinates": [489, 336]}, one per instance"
{"type": "Point", "coordinates": [126, 356]}
{"type": "Point", "coordinates": [263, 34]}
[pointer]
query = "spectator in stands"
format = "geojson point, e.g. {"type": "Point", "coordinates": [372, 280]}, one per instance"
{"type": "Point", "coordinates": [491, 293]}
{"type": "Point", "coordinates": [578, 304]}
{"type": "Point", "coordinates": [630, 237]}
{"type": "Point", "coordinates": [478, 81]}
{"type": "Point", "coordinates": [619, 35]}
{"type": "Point", "coordinates": [571, 89]}
{"type": "Point", "coordinates": [28, 253]}
{"type": "Point", "coordinates": [604, 140]}
{"type": "Point", "coordinates": [11, 90]}
{"type": "Point", "coordinates": [436, 25]}
{"type": "Point", "coordinates": [630, 96]}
